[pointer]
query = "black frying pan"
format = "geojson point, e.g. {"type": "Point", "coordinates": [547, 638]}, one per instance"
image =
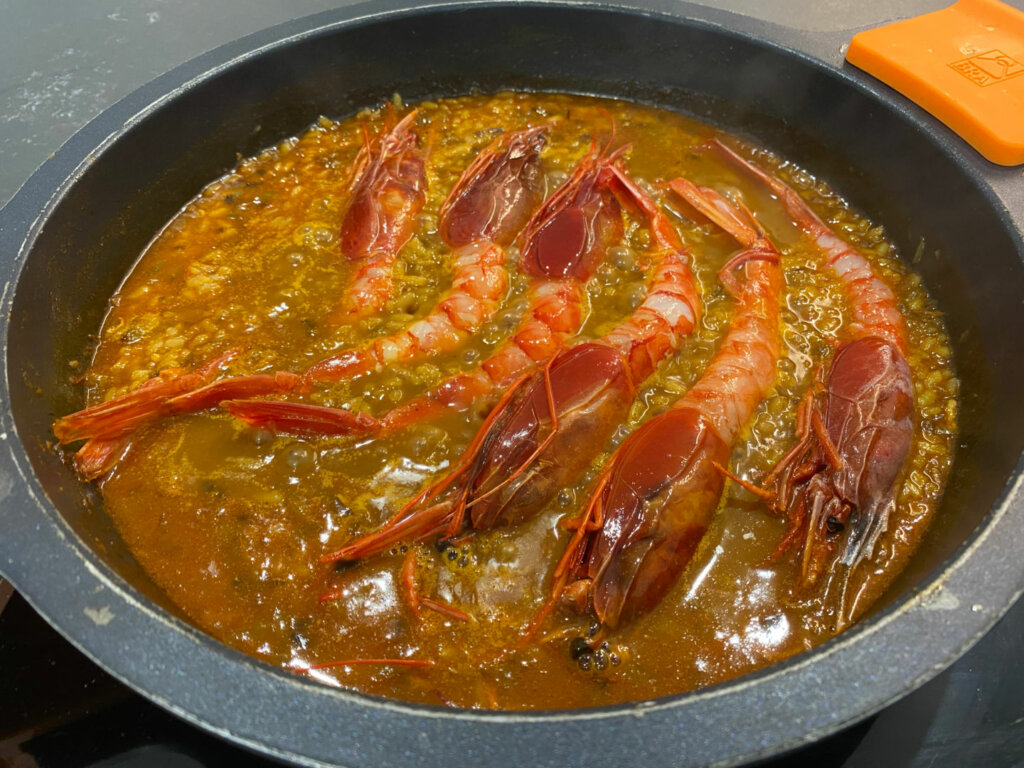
{"type": "Point", "coordinates": [73, 231]}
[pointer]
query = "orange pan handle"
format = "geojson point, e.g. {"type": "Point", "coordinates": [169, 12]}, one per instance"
{"type": "Point", "coordinates": [964, 64]}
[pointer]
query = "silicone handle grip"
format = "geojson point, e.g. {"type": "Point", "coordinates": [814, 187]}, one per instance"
{"type": "Point", "coordinates": [964, 64]}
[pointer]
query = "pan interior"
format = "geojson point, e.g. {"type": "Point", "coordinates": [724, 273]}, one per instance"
{"type": "Point", "coordinates": [873, 154]}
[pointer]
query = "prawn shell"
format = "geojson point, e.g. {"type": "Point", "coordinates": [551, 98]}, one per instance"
{"type": "Point", "coordinates": [568, 236]}
{"type": "Point", "coordinates": [592, 392]}
{"type": "Point", "coordinates": [495, 203]}
{"type": "Point", "coordinates": [659, 502]}
{"type": "Point", "coordinates": [869, 416]}
{"type": "Point", "coordinates": [387, 196]}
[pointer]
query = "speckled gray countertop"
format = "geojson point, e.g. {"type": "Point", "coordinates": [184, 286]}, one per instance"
{"type": "Point", "coordinates": [62, 62]}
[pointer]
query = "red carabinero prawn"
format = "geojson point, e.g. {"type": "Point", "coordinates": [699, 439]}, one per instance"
{"type": "Point", "coordinates": [837, 485]}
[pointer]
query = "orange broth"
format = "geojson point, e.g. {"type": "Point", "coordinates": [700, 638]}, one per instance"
{"type": "Point", "coordinates": [231, 520]}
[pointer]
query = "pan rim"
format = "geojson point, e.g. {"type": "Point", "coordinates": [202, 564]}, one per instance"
{"type": "Point", "coordinates": [83, 149]}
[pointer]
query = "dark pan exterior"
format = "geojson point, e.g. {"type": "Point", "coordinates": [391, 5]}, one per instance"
{"type": "Point", "coordinates": [69, 236]}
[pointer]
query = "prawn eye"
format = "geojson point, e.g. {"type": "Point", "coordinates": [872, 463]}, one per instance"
{"type": "Point", "coordinates": [833, 526]}
{"type": "Point", "coordinates": [579, 647]}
